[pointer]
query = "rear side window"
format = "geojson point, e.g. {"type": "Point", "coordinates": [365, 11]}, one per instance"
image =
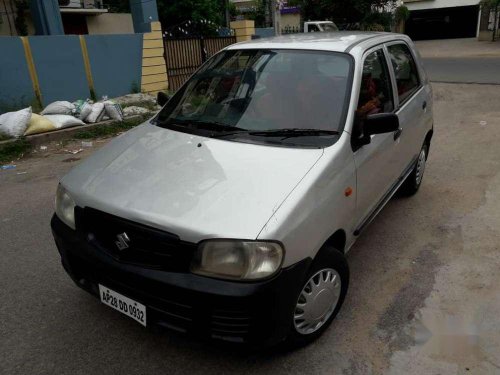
{"type": "Point", "coordinates": [405, 69]}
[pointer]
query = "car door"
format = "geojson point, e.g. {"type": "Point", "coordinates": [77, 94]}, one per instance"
{"type": "Point", "coordinates": [413, 102]}
{"type": "Point", "coordinates": [377, 163]}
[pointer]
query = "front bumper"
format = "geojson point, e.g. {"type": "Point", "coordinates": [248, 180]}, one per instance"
{"type": "Point", "coordinates": [246, 312]}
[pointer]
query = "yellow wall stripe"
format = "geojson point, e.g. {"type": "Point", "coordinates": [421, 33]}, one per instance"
{"type": "Point", "coordinates": [153, 61]}
{"type": "Point", "coordinates": [150, 70]}
{"type": "Point", "coordinates": [154, 70]}
{"type": "Point", "coordinates": [32, 69]}
{"type": "Point", "coordinates": [86, 63]}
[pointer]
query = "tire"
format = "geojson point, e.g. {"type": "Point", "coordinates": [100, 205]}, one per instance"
{"type": "Point", "coordinates": [327, 259]}
{"type": "Point", "coordinates": [414, 179]}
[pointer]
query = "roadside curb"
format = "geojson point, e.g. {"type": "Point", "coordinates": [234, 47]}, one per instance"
{"type": "Point", "coordinates": [66, 134]}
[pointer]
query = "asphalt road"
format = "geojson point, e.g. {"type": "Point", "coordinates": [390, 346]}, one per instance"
{"type": "Point", "coordinates": [424, 295]}
{"type": "Point", "coordinates": [464, 69]}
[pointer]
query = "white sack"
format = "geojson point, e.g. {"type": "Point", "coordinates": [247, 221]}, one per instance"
{"type": "Point", "coordinates": [85, 111]}
{"type": "Point", "coordinates": [14, 124]}
{"type": "Point", "coordinates": [59, 108]}
{"type": "Point", "coordinates": [97, 113]}
{"type": "Point", "coordinates": [64, 121]}
{"type": "Point", "coordinates": [113, 110]}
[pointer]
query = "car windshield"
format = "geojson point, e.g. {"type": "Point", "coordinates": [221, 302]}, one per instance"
{"type": "Point", "coordinates": [246, 93]}
{"type": "Point", "coordinates": [329, 27]}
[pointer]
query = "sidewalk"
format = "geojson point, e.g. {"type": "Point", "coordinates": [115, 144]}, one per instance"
{"type": "Point", "coordinates": [459, 48]}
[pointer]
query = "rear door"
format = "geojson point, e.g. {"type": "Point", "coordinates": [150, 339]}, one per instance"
{"type": "Point", "coordinates": [413, 106]}
{"type": "Point", "coordinates": [377, 163]}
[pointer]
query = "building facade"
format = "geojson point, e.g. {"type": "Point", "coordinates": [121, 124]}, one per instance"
{"type": "Point", "coordinates": [442, 19]}
{"type": "Point", "coordinates": [78, 18]}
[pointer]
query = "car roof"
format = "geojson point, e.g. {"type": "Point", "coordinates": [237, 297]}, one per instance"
{"type": "Point", "coordinates": [338, 41]}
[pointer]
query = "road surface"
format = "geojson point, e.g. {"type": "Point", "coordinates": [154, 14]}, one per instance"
{"type": "Point", "coordinates": [464, 69]}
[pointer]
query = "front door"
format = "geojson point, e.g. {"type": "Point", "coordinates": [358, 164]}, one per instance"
{"type": "Point", "coordinates": [376, 162]}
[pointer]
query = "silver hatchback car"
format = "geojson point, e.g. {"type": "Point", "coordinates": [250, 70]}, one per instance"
{"type": "Point", "coordinates": [229, 214]}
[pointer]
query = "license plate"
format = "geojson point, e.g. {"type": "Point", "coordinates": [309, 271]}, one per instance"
{"type": "Point", "coordinates": [125, 305]}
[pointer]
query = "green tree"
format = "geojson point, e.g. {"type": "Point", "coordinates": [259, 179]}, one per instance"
{"type": "Point", "coordinates": [362, 12]}
{"type": "Point", "coordinates": [258, 14]}
{"type": "Point", "coordinates": [22, 8]}
{"type": "Point", "coordinates": [117, 6]}
{"type": "Point", "coordinates": [200, 16]}
{"type": "Point", "coordinates": [196, 16]}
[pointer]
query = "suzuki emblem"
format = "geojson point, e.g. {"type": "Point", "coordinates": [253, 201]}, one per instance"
{"type": "Point", "coordinates": [123, 241]}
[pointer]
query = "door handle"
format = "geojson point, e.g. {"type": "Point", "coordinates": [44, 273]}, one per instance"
{"type": "Point", "coordinates": [424, 105]}
{"type": "Point", "coordinates": [397, 133]}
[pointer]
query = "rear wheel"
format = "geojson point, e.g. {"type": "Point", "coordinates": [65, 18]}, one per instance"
{"type": "Point", "coordinates": [414, 179]}
{"type": "Point", "coordinates": [320, 297]}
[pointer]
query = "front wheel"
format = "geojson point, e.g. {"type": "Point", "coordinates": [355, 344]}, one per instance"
{"type": "Point", "coordinates": [414, 179]}
{"type": "Point", "coordinates": [320, 297]}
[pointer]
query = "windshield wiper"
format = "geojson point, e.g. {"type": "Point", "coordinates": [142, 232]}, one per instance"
{"type": "Point", "coordinates": [201, 124]}
{"type": "Point", "coordinates": [286, 133]}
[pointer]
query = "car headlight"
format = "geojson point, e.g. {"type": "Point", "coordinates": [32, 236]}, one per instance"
{"type": "Point", "coordinates": [237, 260]}
{"type": "Point", "coordinates": [65, 207]}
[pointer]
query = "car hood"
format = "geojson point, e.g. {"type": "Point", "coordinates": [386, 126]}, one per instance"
{"type": "Point", "coordinates": [195, 187]}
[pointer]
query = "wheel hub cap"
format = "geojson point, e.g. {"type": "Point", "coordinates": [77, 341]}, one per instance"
{"type": "Point", "coordinates": [420, 167]}
{"type": "Point", "coordinates": [317, 301]}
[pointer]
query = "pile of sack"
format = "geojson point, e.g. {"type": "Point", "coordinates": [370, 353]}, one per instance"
{"type": "Point", "coordinates": [58, 115]}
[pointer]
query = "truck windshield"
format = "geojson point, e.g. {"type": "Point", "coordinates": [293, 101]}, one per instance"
{"type": "Point", "coordinates": [327, 27]}
{"type": "Point", "coordinates": [247, 92]}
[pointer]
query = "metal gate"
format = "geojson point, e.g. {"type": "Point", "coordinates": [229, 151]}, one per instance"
{"type": "Point", "coordinates": [184, 55]}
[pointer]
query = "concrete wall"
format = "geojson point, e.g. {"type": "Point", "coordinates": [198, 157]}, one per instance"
{"type": "Point", "coordinates": [16, 89]}
{"type": "Point", "coordinates": [264, 32]}
{"type": "Point", "coordinates": [60, 68]}
{"type": "Point", "coordinates": [433, 4]}
{"type": "Point", "coordinates": [68, 67]}
{"type": "Point", "coordinates": [243, 30]}
{"type": "Point", "coordinates": [115, 61]}
{"type": "Point", "coordinates": [292, 20]}
{"type": "Point", "coordinates": [111, 23]}
{"type": "Point", "coordinates": [154, 70]}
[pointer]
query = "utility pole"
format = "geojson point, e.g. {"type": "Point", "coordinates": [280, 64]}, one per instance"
{"type": "Point", "coordinates": [277, 5]}
{"type": "Point", "coordinates": [495, 23]}
{"type": "Point", "coordinates": [268, 12]}
{"type": "Point", "coordinates": [227, 16]}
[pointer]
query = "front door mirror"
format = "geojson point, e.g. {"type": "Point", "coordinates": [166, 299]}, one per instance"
{"type": "Point", "coordinates": [162, 98]}
{"type": "Point", "coordinates": [380, 123]}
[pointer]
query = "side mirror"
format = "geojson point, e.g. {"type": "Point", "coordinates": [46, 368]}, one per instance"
{"type": "Point", "coordinates": [380, 123]}
{"type": "Point", "coordinates": [162, 98]}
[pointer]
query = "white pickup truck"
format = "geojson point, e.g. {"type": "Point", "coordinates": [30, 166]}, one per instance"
{"type": "Point", "coordinates": [319, 26]}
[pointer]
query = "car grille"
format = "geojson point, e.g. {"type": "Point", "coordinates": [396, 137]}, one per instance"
{"type": "Point", "coordinates": [147, 247]}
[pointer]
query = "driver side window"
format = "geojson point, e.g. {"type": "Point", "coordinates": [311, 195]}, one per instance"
{"type": "Point", "coordinates": [375, 95]}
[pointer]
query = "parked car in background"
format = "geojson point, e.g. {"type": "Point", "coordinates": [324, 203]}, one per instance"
{"type": "Point", "coordinates": [319, 26]}
{"type": "Point", "coordinates": [230, 213]}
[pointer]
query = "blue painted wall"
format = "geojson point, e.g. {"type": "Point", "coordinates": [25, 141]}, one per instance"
{"type": "Point", "coordinates": [46, 17]}
{"type": "Point", "coordinates": [143, 13]}
{"type": "Point", "coordinates": [60, 68]}
{"type": "Point", "coordinates": [116, 63]}
{"type": "Point", "coordinates": [264, 32]}
{"type": "Point", "coordinates": [16, 89]}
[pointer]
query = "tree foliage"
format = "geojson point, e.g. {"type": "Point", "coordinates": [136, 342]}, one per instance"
{"type": "Point", "coordinates": [117, 6]}
{"type": "Point", "coordinates": [258, 14]}
{"type": "Point", "coordinates": [205, 14]}
{"type": "Point", "coordinates": [22, 8]}
{"type": "Point", "coordinates": [361, 12]}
